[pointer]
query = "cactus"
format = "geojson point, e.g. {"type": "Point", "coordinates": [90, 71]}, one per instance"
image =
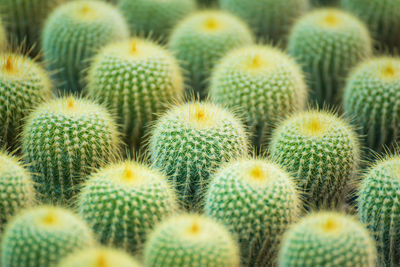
{"type": "Point", "coordinates": [323, 153]}
{"type": "Point", "coordinates": [202, 39]}
{"type": "Point", "coordinates": [72, 35]}
{"type": "Point", "coordinates": [371, 97]}
{"type": "Point", "coordinates": [382, 18]}
{"type": "Point", "coordinates": [191, 240]}
{"type": "Point", "coordinates": [263, 83]}
{"type": "Point", "coordinates": [23, 85]}
{"type": "Point", "coordinates": [192, 140]}
{"type": "Point", "coordinates": [269, 19]}
{"type": "Point", "coordinates": [155, 17]}
{"type": "Point", "coordinates": [63, 141]}
{"type": "Point", "coordinates": [16, 188]}
{"type": "Point", "coordinates": [123, 202]}
{"type": "Point", "coordinates": [328, 43]}
{"type": "Point", "coordinates": [24, 20]}
{"type": "Point", "coordinates": [99, 257]}
{"type": "Point", "coordinates": [379, 208]}
{"type": "Point", "coordinates": [257, 200]}
{"type": "Point", "coordinates": [327, 239]}
{"type": "Point", "coordinates": [42, 236]}
{"type": "Point", "coordinates": [136, 79]}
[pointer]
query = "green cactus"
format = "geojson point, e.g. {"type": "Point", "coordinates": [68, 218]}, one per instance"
{"type": "Point", "coordinates": [72, 35]}
{"type": "Point", "coordinates": [328, 43]}
{"type": "Point", "coordinates": [323, 153]}
{"type": "Point", "coordinates": [23, 85]}
{"type": "Point", "coordinates": [371, 98]}
{"type": "Point", "coordinates": [192, 140]}
{"type": "Point", "coordinates": [99, 257]}
{"type": "Point", "coordinates": [155, 17]}
{"type": "Point", "coordinates": [191, 240]}
{"type": "Point", "coordinates": [63, 141]}
{"type": "Point", "coordinates": [42, 236]}
{"type": "Point", "coordinates": [327, 239]}
{"type": "Point", "coordinates": [257, 200]}
{"type": "Point", "coordinates": [379, 207]}
{"type": "Point", "coordinates": [269, 19]}
{"type": "Point", "coordinates": [123, 202]}
{"type": "Point", "coordinates": [263, 83]}
{"type": "Point", "coordinates": [24, 20]}
{"type": "Point", "coordinates": [202, 39]}
{"type": "Point", "coordinates": [382, 18]}
{"type": "Point", "coordinates": [136, 79]}
{"type": "Point", "coordinates": [16, 188]}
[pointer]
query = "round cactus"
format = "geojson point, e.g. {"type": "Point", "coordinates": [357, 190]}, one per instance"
{"type": "Point", "coordinates": [379, 208]}
{"type": "Point", "coordinates": [382, 18]}
{"type": "Point", "coordinates": [63, 141]}
{"type": "Point", "coordinates": [202, 39]}
{"type": "Point", "coordinates": [155, 17]}
{"type": "Point", "coordinates": [263, 83]}
{"type": "Point", "coordinates": [24, 19]}
{"type": "Point", "coordinates": [328, 43]}
{"type": "Point", "coordinates": [192, 140]}
{"type": "Point", "coordinates": [73, 33]}
{"type": "Point", "coordinates": [270, 19]}
{"type": "Point", "coordinates": [16, 188]}
{"type": "Point", "coordinates": [257, 200]}
{"type": "Point", "coordinates": [123, 202]}
{"type": "Point", "coordinates": [372, 97]}
{"type": "Point", "coordinates": [42, 236]}
{"type": "Point", "coordinates": [327, 239]}
{"type": "Point", "coordinates": [136, 79]}
{"type": "Point", "coordinates": [23, 85]}
{"type": "Point", "coordinates": [323, 153]}
{"type": "Point", "coordinates": [191, 240]}
{"type": "Point", "coordinates": [99, 257]}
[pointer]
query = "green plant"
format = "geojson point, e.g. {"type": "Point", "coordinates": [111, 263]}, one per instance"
{"type": "Point", "coordinates": [327, 43]}
{"type": "Point", "coordinates": [42, 236]}
{"type": "Point", "coordinates": [371, 98]}
{"type": "Point", "coordinates": [256, 200]}
{"type": "Point", "coordinates": [72, 35]}
{"type": "Point", "coordinates": [202, 39]}
{"type": "Point", "coordinates": [63, 141]}
{"type": "Point", "coordinates": [136, 79]}
{"type": "Point", "coordinates": [263, 83]}
{"type": "Point", "coordinates": [323, 153]}
{"type": "Point", "coordinates": [327, 239]}
{"type": "Point", "coordinates": [191, 240]}
{"type": "Point", "coordinates": [192, 140]}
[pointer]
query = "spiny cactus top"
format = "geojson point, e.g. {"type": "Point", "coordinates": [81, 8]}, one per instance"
{"type": "Point", "coordinates": [270, 19]}
{"type": "Point", "coordinates": [327, 239]}
{"type": "Point", "coordinates": [99, 257]}
{"type": "Point", "coordinates": [202, 39]}
{"type": "Point", "coordinates": [263, 83]}
{"type": "Point", "coordinates": [192, 140]}
{"type": "Point", "coordinates": [382, 18]}
{"type": "Point", "coordinates": [136, 79]}
{"type": "Point", "coordinates": [155, 17]}
{"type": "Point", "coordinates": [72, 35]}
{"type": "Point", "coordinates": [372, 99]}
{"type": "Point", "coordinates": [63, 141]}
{"type": "Point", "coordinates": [323, 153]}
{"type": "Point", "coordinates": [379, 207]}
{"type": "Point", "coordinates": [328, 43]}
{"type": "Point", "coordinates": [191, 240]}
{"type": "Point", "coordinates": [42, 236]}
{"type": "Point", "coordinates": [257, 200]}
{"type": "Point", "coordinates": [123, 202]}
{"type": "Point", "coordinates": [16, 188]}
{"type": "Point", "coordinates": [23, 85]}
